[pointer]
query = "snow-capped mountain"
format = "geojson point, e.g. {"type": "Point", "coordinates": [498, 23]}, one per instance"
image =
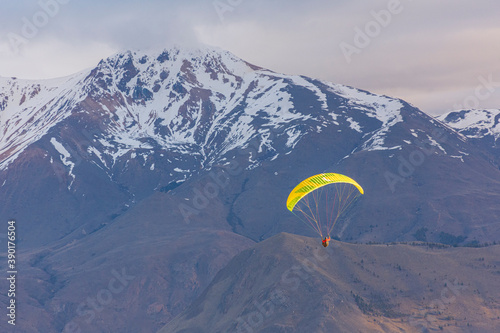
{"type": "Point", "coordinates": [170, 162]}
{"type": "Point", "coordinates": [481, 127]}
{"type": "Point", "coordinates": [198, 102]}
{"type": "Point", "coordinates": [139, 122]}
{"type": "Point", "coordinates": [475, 124]}
{"type": "Point", "coordinates": [171, 114]}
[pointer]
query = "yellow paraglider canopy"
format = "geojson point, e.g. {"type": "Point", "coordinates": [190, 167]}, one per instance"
{"type": "Point", "coordinates": [312, 183]}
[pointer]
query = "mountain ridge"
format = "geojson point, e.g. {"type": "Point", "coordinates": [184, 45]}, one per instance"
{"type": "Point", "coordinates": [480, 126]}
{"type": "Point", "coordinates": [302, 287]}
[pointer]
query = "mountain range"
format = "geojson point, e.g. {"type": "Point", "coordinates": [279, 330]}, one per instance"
{"type": "Point", "coordinates": [161, 166]}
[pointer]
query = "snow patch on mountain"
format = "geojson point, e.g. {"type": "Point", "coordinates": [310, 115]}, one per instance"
{"type": "Point", "coordinates": [28, 109]}
{"type": "Point", "coordinates": [474, 123]}
{"type": "Point", "coordinates": [65, 158]}
{"type": "Point", "coordinates": [436, 144]}
{"type": "Point", "coordinates": [383, 108]}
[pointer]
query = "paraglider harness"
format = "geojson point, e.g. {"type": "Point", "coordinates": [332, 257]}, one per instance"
{"type": "Point", "coordinates": [326, 241]}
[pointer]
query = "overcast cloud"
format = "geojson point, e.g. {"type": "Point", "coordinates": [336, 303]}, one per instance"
{"type": "Point", "coordinates": [438, 55]}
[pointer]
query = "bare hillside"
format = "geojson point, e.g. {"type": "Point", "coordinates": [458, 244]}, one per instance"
{"type": "Point", "coordinates": [290, 283]}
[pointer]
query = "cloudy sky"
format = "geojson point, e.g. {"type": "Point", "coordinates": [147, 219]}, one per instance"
{"type": "Point", "coordinates": [437, 55]}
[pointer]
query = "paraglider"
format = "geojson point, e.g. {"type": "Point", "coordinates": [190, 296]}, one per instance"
{"type": "Point", "coordinates": [320, 200]}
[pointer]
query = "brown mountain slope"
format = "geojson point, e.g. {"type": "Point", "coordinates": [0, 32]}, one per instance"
{"type": "Point", "coordinates": [132, 276]}
{"type": "Point", "coordinates": [290, 283]}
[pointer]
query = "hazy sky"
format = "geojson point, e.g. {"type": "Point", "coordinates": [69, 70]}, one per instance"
{"type": "Point", "coordinates": [438, 55]}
